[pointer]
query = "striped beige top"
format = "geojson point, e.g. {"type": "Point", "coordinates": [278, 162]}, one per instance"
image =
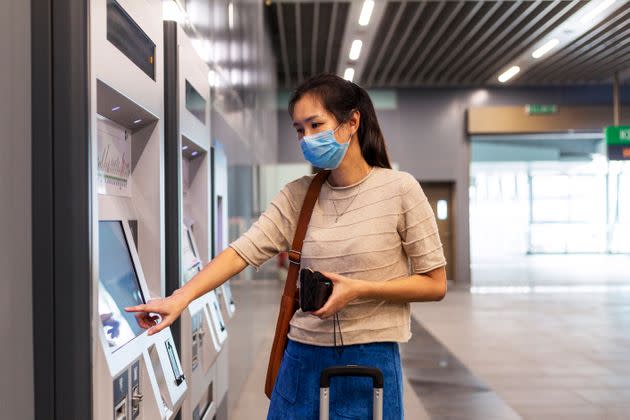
{"type": "Point", "coordinates": [388, 232]}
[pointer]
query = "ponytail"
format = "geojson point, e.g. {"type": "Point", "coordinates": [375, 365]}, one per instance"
{"type": "Point", "coordinates": [341, 97]}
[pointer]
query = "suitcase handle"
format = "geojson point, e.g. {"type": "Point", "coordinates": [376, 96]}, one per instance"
{"type": "Point", "coordinates": [351, 370]}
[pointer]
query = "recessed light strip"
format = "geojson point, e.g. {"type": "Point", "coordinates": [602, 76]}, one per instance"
{"type": "Point", "coordinates": [509, 73]}
{"type": "Point", "coordinates": [349, 74]}
{"type": "Point", "coordinates": [355, 49]}
{"type": "Point", "coordinates": [545, 48]}
{"type": "Point", "coordinates": [605, 4]}
{"type": "Point", "coordinates": [366, 12]}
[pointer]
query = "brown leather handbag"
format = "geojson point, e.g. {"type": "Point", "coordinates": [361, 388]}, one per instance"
{"type": "Point", "coordinates": [289, 301]}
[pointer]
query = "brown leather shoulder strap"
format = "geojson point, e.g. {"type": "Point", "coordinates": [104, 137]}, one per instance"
{"type": "Point", "coordinates": [295, 254]}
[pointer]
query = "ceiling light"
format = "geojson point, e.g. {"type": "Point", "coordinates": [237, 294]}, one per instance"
{"type": "Point", "coordinates": [116, 108]}
{"type": "Point", "coordinates": [137, 121]}
{"type": "Point", "coordinates": [349, 74]}
{"type": "Point", "coordinates": [231, 15]}
{"type": "Point", "coordinates": [508, 74]}
{"type": "Point", "coordinates": [545, 48]}
{"type": "Point", "coordinates": [195, 153]}
{"type": "Point", "coordinates": [605, 4]}
{"type": "Point", "coordinates": [185, 147]}
{"type": "Point", "coordinates": [366, 12]}
{"type": "Point", "coordinates": [355, 50]}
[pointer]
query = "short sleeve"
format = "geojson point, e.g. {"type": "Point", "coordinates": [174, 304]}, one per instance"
{"type": "Point", "coordinates": [418, 229]}
{"type": "Point", "coordinates": [271, 233]}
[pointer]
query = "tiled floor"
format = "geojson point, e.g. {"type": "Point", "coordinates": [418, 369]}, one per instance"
{"type": "Point", "coordinates": [446, 387]}
{"type": "Point", "coordinates": [548, 356]}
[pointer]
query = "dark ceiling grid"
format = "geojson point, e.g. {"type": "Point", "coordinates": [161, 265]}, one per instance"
{"type": "Point", "coordinates": [329, 49]}
{"type": "Point", "coordinates": [490, 9]}
{"type": "Point", "coordinates": [606, 33]}
{"type": "Point", "coordinates": [451, 36]}
{"type": "Point", "coordinates": [281, 44]}
{"type": "Point", "coordinates": [508, 9]}
{"type": "Point", "coordinates": [606, 48]}
{"type": "Point", "coordinates": [446, 42]}
{"type": "Point", "coordinates": [472, 54]}
{"type": "Point", "coordinates": [536, 30]}
{"type": "Point", "coordinates": [305, 24]}
{"type": "Point", "coordinates": [504, 32]}
{"type": "Point", "coordinates": [413, 11]}
{"type": "Point", "coordinates": [338, 31]}
{"type": "Point", "coordinates": [435, 37]}
{"type": "Point", "coordinates": [390, 22]}
{"type": "Point", "coordinates": [325, 15]}
{"type": "Point", "coordinates": [604, 66]}
{"type": "Point", "coordinates": [572, 51]}
{"type": "Point", "coordinates": [314, 38]}
{"type": "Point", "coordinates": [411, 51]}
{"type": "Point", "coordinates": [290, 27]}
{"type": "Point", "coordinates": [298, 40]}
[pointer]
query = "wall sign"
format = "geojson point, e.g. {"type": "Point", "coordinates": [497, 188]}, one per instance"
{"type": "Point", "coordinates": [541, 109]}
{"type": "Point", "coordinates": [618, 141]}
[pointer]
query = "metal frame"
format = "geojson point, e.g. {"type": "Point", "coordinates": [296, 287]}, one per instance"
{"type": "Point", "coordinates": [62, 210]}
{"type": "Point", "coordinates": [172, 169]}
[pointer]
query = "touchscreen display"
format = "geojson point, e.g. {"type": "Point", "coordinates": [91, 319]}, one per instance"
{"type": "Point", "coordinates": [118, 286]}
{"type": "Point", "coordinates": [190, 261]}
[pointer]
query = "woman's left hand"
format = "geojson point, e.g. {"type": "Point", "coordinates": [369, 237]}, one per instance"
{"type": "Point", "coordinates": [345, 290]}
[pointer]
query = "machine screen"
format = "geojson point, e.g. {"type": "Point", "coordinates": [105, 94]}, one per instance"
{"type": "Point", "coordinates": [192, 264]}
{"type": "Point", "coordinates": [119, 286]}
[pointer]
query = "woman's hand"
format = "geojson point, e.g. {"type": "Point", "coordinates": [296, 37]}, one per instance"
{"type": "Point", "coordinates": [344, 291]}
{"type": "Point", "coordinates": [168, 308]}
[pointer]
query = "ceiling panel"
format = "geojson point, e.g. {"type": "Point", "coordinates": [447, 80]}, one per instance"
{"type": "Point", "coordinates": [447, 43]}
{"type": "Point", "coordinates": [593, 57]}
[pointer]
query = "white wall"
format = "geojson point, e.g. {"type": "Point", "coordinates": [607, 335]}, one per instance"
{"type": "Point", "coordinates": [16, 361]}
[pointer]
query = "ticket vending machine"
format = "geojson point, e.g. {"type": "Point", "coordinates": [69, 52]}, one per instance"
{"type": "Point", "coordinates": [203, 331]}
{"type": "Point", "coordinates": [135, 376]}
{"type": "Point", "coordinates": [220, 212]}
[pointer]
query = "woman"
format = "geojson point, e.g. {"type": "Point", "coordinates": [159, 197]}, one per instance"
{"type": "Point", "coordinates": [372, 232]}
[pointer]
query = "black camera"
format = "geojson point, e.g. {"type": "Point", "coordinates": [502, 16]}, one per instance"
{"type": "Point", "coordinates": [315, 289]}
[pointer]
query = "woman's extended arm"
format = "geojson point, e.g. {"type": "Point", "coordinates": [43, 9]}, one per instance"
{"type": "Point", "coordinates": [226, 265]}
{"type": "Point", "coordinates": [425, 287]}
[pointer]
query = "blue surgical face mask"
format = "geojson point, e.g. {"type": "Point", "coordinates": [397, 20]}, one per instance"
{"type": "Point", "coordinates": [322, 150]}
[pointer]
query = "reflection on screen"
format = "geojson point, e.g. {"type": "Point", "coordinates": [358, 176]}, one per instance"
{"type": "Point", "coordinates": [190, 261]}
{"type": "Point", "coordinates": [118, 286]}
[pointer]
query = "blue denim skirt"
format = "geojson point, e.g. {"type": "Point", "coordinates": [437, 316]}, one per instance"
{"type": "Point", "coordinates": [296, 392]}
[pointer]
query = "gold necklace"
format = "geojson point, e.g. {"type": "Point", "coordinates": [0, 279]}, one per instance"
{"type": "Point", "coordinates": [348, 206]}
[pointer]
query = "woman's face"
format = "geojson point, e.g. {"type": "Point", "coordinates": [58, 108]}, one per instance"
{"type": "Point", "coordinates": [310, 117]}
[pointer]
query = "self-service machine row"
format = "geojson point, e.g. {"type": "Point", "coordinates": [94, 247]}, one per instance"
{"type": "Point", "coordinates": [135, 376]}
{"type": "Point", "coordinates": [200, 218]}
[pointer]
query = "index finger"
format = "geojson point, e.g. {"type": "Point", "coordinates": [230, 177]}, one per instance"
{"type": "Point", "coordinates": [137, 308]}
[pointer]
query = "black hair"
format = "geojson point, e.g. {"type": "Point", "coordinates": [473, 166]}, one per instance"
{"type": "Point", "coordinates": [341, 97]}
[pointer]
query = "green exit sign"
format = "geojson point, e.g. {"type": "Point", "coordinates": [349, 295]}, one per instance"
{"type": "Point", "coordinates": [541, 109]}
{"type": "Point", "coordinates": [618, 141]}
{"type": "Point", "coordinates": [618, 135]}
